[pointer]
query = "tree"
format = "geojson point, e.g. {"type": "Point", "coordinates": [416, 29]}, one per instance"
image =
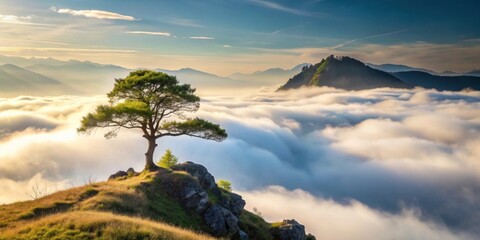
{"type": "Point", "coordinates": [225, 185]}
{"type": "Point", "coordinates": [154, 103]}
{"type": "Point", "coordinates": [168, 160]}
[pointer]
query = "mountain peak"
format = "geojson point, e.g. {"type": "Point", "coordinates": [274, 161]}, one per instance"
{"type": "Point", "coordinates": [343, 72]}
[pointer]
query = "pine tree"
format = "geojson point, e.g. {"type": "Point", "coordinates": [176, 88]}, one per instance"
{"type": "Point", "coordinates": [168, 160]}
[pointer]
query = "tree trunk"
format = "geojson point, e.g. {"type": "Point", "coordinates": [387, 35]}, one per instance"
{"type": "Point", "coordinates": [150, 165]}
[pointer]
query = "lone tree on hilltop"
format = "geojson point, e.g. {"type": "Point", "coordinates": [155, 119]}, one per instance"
{"type": "Point", "coordinates": [154, 103]}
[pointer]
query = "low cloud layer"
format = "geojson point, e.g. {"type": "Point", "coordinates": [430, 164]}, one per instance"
{"type": "Point", "coordinates": [327, 219]}
{"type": "Point", "coordinates": [404, 160]}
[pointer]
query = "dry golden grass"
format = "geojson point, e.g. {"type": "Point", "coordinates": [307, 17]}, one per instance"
{"type": "Point", "coordinates": [97, 225]}
{"type": "Point", "coordinates": [90, 211]}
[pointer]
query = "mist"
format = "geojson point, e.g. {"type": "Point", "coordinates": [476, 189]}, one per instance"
{"type": "Point", "coordinates": [400, 159]}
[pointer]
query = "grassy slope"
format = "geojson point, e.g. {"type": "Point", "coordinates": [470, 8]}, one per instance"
{"type": "Point", "coordinates": [112, 210]}
{"type": "Point", "coordinates": [96, 225]}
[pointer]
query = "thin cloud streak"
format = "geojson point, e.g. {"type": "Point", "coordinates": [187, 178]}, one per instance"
{"type": "Point", "coordinates": [35, 41]}
{"type": "Point", "coordinates": [165, 34]}
{"type": "Point", "coordinates": [279, 7]}
{"type": "Point", "coordinates": [14, 49]}
{"type": "Point", "coordinates": [12, 19]}
{"type": "Point", "coordinates": [95, 14]}
{"type": "Point", "coordinates": [365, 38]}
{"type": "Point", "coordinates": [185, 22]}
{"type": "Point", "coordinates": [202, 38]}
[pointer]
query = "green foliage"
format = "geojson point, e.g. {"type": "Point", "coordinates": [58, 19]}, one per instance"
{"type": "Point", "coordinates": [225, 185]}
{"type": "Point", "coordinates": [322, 66]}
{"type": "Point", "coordinates": [255, 226]}
{"type": "Point", "coordinates": [168, 160]}
{"type": "Point", "coordinates": [196, 127]}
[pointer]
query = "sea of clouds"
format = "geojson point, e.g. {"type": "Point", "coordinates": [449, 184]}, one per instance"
{"type": "Point", "coordinates": [373, 164]}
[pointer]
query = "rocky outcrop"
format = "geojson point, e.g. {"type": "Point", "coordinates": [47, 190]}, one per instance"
{"type": "Point", "coordinates": [198, 191]}
{"type": "Point", "coordinates": [233, 202]}
{"type": "Point", "coordinates": [195, 189]}
{"type": "Point", "coordinates": [289, 230]}
{"type": "Point", "coordinates": [206, 180]}
{"type": "Point", "coordinates": [118, 174]}
{"type": "Point", "coordinates": [221, 220]}
{"type": "Point", "coordinates": [121, 174]}
{"type": "Point", "coordinates": [310, 237]}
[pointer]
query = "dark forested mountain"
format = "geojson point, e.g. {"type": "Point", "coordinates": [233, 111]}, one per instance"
{"type": "Point", "coordinates": [345, 73]}
{"type": "Point", "coordinates": [450, 83]}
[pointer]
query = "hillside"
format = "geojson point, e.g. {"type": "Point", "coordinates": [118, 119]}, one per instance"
{"type": "Point", "coordinates": [441, 83]}
{"type": "Point", "coordinates": [184, 203]}
{"type": "Point", "coordinates": [15, 80]}
{"type": "Point", "coordinates": [345, 73]}
{"type": "Point", "coordinates": [90, 77]}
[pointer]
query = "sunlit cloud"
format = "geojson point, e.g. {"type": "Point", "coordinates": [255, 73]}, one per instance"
{"type": "Point", "coordinates": [20, 20]}
{"type": "Point", "coordinates": [202, 38]}
{"type": "Point", "coordinates": [94, 14]}
{"type": "Point", "coordinates": [166, 34]}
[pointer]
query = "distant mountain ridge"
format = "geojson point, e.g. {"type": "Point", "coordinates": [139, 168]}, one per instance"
{"type": "Point", "coordinates": [441, 83]}
{"type": "Point", "coordinates": [398, 68]}
{"type": "Point", "coordinates": [38, 76]}
{"type": "Point", "coordinates": [271, 76]}
{"type": "Point", "coordinates": [15, 80]}
{"type": "Point", "coordinates": [345, 73]}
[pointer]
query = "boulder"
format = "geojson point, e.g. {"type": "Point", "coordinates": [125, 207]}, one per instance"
{"type": "Point", "coordinates": [310, 237]}
{"type": "Point", "coordinates": [206, 180]}
{"type": "Point", "coordinates": [221, 221]}
{"type": "Point", "coordinates": [233, 202]}
{"type": "Point", "coordinates": [186, 190]}
{"type": "Point", "coordinates": [241, 235]}
{"type": "Point", "coordinates": [117, 175]}
{"type": "Point", "coordinates": [289, 230]}
{"type": "Point", "coordinates": [131, 172]}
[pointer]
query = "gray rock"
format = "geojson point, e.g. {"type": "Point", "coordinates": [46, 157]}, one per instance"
{"type": "Point", "coordinates": [241, 235]}
{"type": "Point", "coordinates": [188, 191]}
{"type": "Point", "coordinates": [233, 202]}
{"type": "Point", "coordinates": [131, 172]}
{"type": "Point", "coordinates": [117, 175]}
{"type": "Point", "coordinates": [310, 237]}
{"type": "Point", "coordinates": [193, 190]}
{"type": "Point", "coordinates": [236, 204]}
{"type": "Point", "coordinates": [195, 198]}
{"type": "Point", "coordinates": [206, 180]}
{"type": "Point", "coordinates": [221, 221]}
{"type": "Point", "coordinates": [289, 230]}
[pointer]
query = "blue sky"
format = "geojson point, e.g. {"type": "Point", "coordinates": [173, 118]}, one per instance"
{"type": "Point", "coordinates": [226, 36]}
